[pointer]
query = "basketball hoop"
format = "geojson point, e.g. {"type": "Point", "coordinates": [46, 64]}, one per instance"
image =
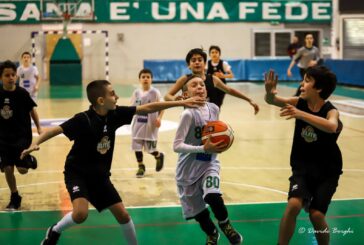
{"type": "Point", "coordinates": [66, 21]}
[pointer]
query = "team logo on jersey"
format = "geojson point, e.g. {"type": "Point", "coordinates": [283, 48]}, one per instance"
{"type": "Point", "coordinates": [6, 112]}
{"type": "Point", "coordinates": [104, 145]}
{"type": "Point", "coordinates": [7, 101]}
{"type": "Point", "coordinates": [75, 189]}
{"type": "Point", "coordinates": [309, 134]}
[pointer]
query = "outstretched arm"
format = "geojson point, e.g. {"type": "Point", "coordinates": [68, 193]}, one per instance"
{"type": "Point", "coordinates": [158, 106]}
{"type": "Point", "coordinates": [329, 124]}
{"type": "Point", "coordinates": [177, 86]}
{"type": "Point", "coordinates": [42, 138]}
{"type": "Point", "coordinates": [270, 82]}
{"type": "Point", "coordinates": [223, 87]}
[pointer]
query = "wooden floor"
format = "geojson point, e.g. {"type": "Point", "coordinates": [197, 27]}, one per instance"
{"type": "Point", "coordinates": [255, 169]}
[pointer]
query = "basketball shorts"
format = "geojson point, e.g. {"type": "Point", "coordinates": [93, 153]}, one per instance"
{"type": "Point", "coordinates": [148, 145]}
{"type": "Point", "coordinates": [100, 193]}
{"type": "Point", "coordinates": [11, 157]}
{"type": "Point", "coordinates": [192, 196]}
{"type": "Point", "coordinates": [315, 192]}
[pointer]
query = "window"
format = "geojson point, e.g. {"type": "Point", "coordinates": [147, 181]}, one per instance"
{"type": "Point", "coordinates": [271, 43]}
{"type": "Point", "coordinates": [274, 43]}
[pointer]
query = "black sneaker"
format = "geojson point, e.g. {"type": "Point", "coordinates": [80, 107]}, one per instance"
{"type": "Point", "coordinates": [51, 237]}
{"type": "Point", "coordinates": [160, 162]}
{"type": "Point", "coordinates": [15, 202]}
{"type": "Point", "coordinates": [31, 162]}
{"type": "Point", "coordinates": [231, 234]}
{"type": "Point", "coordinates": [141, 171]}
{"type": "Point", "coordinates": [213, 239]}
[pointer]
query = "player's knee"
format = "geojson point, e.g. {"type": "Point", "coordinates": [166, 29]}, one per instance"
{"type": "Point", "coordinates": [316, 216]}
{"type": "Point", "coordinates": [217, 205]}
{"type": "Point", "coordinates": [8, 169]}
{"type": "Point", "coordinates": [80, 216]}
{"type": "Point", "coordinates": [123, 217]}
{"type": "Point", "coordinates": [294, 208]}
{"type": "Point", "coordinates": [202, 216]}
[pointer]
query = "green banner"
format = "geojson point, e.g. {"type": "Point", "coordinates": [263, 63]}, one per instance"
{"type": "Point", "coordinates": [159, 11]}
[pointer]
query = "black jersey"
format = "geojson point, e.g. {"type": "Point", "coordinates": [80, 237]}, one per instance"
{"type": "Point", "coordinates": [211, 69]}
{"type": "Point", "coordinates": [15, 121]}
{"type": "Point", "coordinates": [219, 94]}
{"type": "Point", "coordinates": [94, 138]}
{"type": "Point", "coordinates": [315, 151]}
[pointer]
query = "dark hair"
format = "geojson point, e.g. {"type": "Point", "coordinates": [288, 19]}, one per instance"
{"type": "Point", "coordinates": [324, 79]}
{"type": "Point", "coordinates": [194, 52]}
{"type": "Point", "coordinates": [24, 53]}
{"type": "Point", "coordinates": [96, 89]}
{"type": "Point", "coordinates": [189, 78]}
{"type": "Point", "coordinates": [7, 64]}
{"type": "Point", "coordinates": [215, 47]}
{"type": "Point", "coordinates": [146, 70]}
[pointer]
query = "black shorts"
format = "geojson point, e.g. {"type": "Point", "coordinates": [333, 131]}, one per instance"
{"type": "Point", "coordinates": [100, 193]}
{"type": "Point", "coordinates": [11, 157]}
{"type": "Point", "coordinates": [315, 192]}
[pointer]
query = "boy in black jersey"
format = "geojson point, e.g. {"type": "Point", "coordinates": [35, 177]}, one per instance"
{"type": "Point", "coordinates": [220, 68]}
{"type": "Point", "coordinates": [316, 160]}
{"type": "Point", "coordinates": [17, 108]}
{"type": "Point", "coordinates": [87, 168]}
{"type": "Point", "coordinates": [196, 60]}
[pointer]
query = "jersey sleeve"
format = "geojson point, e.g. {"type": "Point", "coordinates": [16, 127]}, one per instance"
{"type": "Point", "coordinates": [298, 55]}
{"type": "Point", "coordinates": [178, 145]}
{"type": "Point", "coordinates": [73, 127]}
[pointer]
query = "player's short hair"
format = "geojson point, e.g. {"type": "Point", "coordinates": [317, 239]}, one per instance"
{"type": "Point", "coordinates": [189, 78]}
{"type": "Point", "coordinates": [215, 47]}
{"type": "Point", "coordinates": [96, 89]}
{"type": "Point", "coordinates": [195, 51]}
{"type": "Point", "coordinates": [324, 79]}
{"type": "Point", "coordinates": [146, 70]}
{"type": "Point", "coordinates": [7, 64]}
{"type": "Point", "coordinates": [26, 53]}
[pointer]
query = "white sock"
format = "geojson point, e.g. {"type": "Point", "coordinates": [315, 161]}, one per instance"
{"type": "Point", "coordinates": [128, 230]}
{"type": "Point", "coordinates": [64, 223]}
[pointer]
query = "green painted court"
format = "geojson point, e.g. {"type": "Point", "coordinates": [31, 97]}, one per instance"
{"type": "Point", "coordinates": [164, 225]}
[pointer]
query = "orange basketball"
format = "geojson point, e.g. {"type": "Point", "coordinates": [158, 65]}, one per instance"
{"type": "Point", "coordinates": [219, 131]}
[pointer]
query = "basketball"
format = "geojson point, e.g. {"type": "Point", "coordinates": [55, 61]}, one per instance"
{"type": "Point", "coordinates": [219, 131]}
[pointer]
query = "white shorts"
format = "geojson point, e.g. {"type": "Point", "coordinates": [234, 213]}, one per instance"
{"type": "Point", "coordinates": [149, 145]}
{"type": "Point", "coordinates": [192, 196]}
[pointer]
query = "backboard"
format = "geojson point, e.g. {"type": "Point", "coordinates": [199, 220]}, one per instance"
{"type": "Point", "coordinates": [66, 10]}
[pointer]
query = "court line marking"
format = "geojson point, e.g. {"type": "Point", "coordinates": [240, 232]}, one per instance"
{"type": "Point", "coordinates": [173, 169]}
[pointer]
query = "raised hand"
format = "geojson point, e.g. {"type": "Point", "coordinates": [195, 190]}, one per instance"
{"type": "Point", "coordinates": [270, 82]}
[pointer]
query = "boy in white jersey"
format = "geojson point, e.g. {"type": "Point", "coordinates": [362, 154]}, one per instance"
{"type": "Point", "coordinates": [28, 76]}
{"type": "Point", "coordinates": [145, 127]}
{"type": "Point", "coordinates": [197, 174]}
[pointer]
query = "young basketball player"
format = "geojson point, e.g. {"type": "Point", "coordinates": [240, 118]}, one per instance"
{"type": "Point", "coordinates": [197, 174]}
{"type": "Point", "coordinates": [87, 168]}
{"type": "Point", "coordinates": [28, 75]}
{"type": "Point", "coordinates": [220, 68]}
{"type": "Point", "coordinates": [196, 61]}
{"type": "Point", "coordinates": [16, 130]}
{"type": "Point", "coordinates": [144, 128]}
{"type": "Point", "coordinates": [316, 160]}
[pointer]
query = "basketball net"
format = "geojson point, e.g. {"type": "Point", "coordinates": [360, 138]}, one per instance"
{"type": "Point", "coordinates": [66, 21]}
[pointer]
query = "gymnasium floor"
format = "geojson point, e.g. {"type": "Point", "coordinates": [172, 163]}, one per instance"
{"type": "Point", "coordinates": [254, 178]}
